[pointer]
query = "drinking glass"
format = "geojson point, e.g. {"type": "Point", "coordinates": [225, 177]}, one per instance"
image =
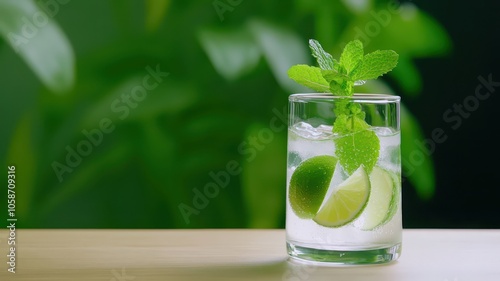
{"type": "Point", "coordinates": [336, 214]}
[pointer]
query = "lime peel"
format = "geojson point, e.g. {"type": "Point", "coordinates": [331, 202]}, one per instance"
{"type": "Point", "coordinates": [309, 184]}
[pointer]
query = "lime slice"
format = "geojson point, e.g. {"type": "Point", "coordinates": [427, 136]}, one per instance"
{"type": "Point", "coordinates": [309, 184]}
{"type": "Point", "coordinates": [396, 196]}
{"type": "Point", "coordinates": [346, 202]}
{"type": "Point", "coordinates": [382, 203]}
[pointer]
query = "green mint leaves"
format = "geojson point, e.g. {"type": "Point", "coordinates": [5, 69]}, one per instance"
{"type": "Point", "coordinates": [357, 144]}
{"type": "Point", "coordinates": [339, 77]}
{"type": "Point", "coordinates": [310, 77]}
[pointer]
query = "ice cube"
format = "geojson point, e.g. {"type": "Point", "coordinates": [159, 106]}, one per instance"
{"type": "Point", "coordinates": [307, 131]}
{"type": "Point", "coordinates": [383, 131]}
{"type": "Point", "coordinates": [294, 159]}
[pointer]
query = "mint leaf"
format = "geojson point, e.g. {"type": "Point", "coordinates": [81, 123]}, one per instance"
{"type": "Point", "coordinates": [375, 65]}
{"type": "Point", "coordinates": [324, 59]}
{"type": "Point", "coordinates": [341, 88]}
{"type": "Point", "coordinates": [330, 75]}
{"type": "Point", "coordinates": [360, 148]}
{"type": "Point", "coordinates": [340, 84]}
{"type": "Point", "coordinates": [345, 124]}
{"type": "Point", "coordinates": [309, 76]}
{"type": "Point", "coordinates": [351, 56]}
{"type": "Point", "coordinates": [356, 145]}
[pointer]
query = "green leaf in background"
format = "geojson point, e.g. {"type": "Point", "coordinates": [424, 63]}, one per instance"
{"type": "Point", "coordinates": [330, 18]}
{"type": "Point", "coordinates": [84, 175]}
{"type": "Point", "coordinates": [168, 97]}
{"type": "Point", "coordinates": [122, 11]}
{"type": "Point", "coordinates": [233, 52]}
{"type": "Point", "coordinates": [23, 155]}
{"type": "Point", "coordinates": [155, 11]}
{"type": "Point", "coordinates": [428, 39]}
{"type": "Point", "coordinates": [282, 48]}
{"type": "Point", "coordinates": [158, 153]}
{"type": "Point", "coordinates": [263, 180]}
{"type": "Point", "coordinates": [408, 76]}
{"type": "Point", "coordinates": [359, 6]}
{"type": "Point", "coordinates": [417, 162]}
{"type": "Point", "coordinates": [215, 125]}
{"type": "Point", "coordinates": [39, 41]}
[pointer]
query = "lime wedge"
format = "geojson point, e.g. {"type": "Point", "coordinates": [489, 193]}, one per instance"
{"type": "Point", "coordinates": [346, 202]}
{"type": "Point", "coordinates": [309, 184]}
{"type": "Point", "coordinates": [382, 203]}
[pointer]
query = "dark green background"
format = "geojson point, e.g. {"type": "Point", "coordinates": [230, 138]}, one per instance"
{"type": "Point", "coordinates": [201, 118]}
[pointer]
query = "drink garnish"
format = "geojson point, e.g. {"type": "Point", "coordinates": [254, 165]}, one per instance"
{"type": "Point", "coordinates": [357, 144]}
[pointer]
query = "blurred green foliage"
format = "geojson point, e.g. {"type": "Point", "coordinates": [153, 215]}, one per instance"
{"type": "Point", "coordinates": [145, 105]}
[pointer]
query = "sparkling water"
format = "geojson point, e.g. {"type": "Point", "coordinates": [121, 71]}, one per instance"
{"type": "Point", "coordinates": [306, 141]}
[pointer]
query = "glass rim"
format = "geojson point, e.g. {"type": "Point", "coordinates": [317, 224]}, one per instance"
{"type": "Point", "coordinates": [357, 97]}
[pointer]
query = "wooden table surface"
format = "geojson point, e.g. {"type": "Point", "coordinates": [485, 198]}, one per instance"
{"type": "Point", "coordinates": [232, 254]}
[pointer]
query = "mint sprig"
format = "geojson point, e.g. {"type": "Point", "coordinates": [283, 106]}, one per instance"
{"type": "Point", "coordinates": [357, 144]}
{"type": "Point", "coordinates": [353, 68]}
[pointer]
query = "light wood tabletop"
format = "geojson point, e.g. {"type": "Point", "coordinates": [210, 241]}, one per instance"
{"type": "Point", "coordinates": [235, 254]}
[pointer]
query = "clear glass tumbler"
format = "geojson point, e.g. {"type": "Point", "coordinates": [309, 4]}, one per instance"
{"type": "Point", "coordinates": [344, 179]}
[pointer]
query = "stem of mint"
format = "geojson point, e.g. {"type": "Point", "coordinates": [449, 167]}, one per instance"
{"type": "Point", "coordinates": [357, 144]}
